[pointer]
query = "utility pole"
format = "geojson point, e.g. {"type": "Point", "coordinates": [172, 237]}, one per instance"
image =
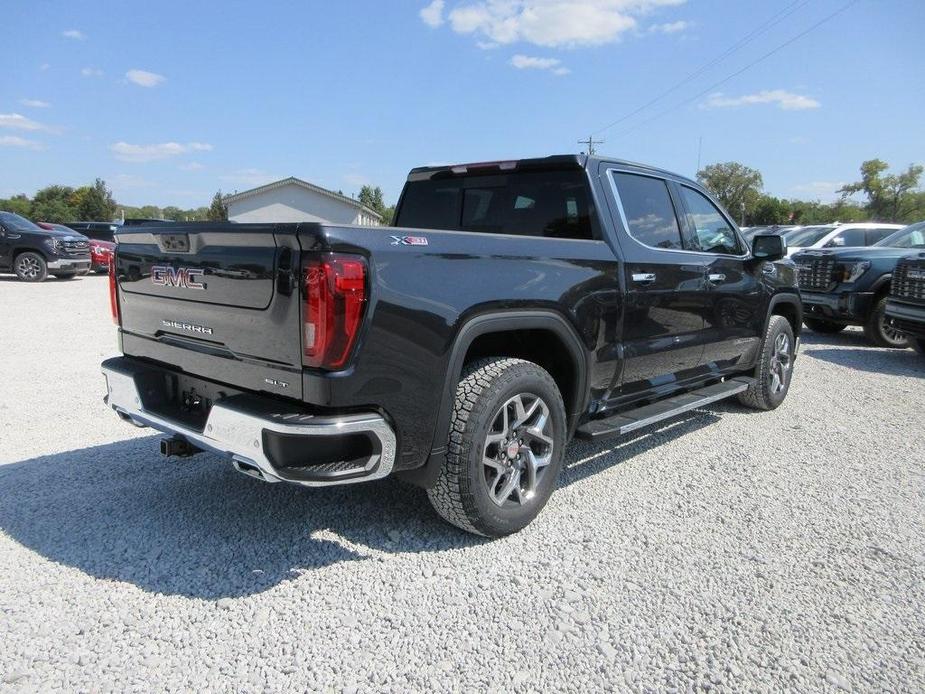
{"type": "Point", "coordinates": [590, 142]}
{"type": "Point", "coordinates": [699, 148]}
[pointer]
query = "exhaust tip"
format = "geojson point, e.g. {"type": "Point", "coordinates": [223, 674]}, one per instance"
{"type": "Point", "coordinates": [248, 469]}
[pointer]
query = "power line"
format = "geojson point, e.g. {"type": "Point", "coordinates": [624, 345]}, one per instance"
{"type": "Point", "coordinates": [590, 142]}
{"type": "Point", "coordinates": [745, 40]}
{"type": "Point", "coordinates": [740, 71]}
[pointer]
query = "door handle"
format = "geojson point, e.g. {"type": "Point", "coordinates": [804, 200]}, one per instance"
{"type": "Point", "coordinates": [644, 277]}
{"type": "Point", "coordinates": [716, 278]}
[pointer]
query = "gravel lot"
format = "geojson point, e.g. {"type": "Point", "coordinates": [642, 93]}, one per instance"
{"type": "Point", "coordinates": [727, 550]}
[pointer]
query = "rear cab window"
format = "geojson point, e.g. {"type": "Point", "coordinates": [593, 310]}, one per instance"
{"type": "Point", "coordinates": [552, 204]}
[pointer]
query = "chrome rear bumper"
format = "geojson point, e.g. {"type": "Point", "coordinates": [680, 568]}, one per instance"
{"type": "Point", "coordinates": [247, 437]}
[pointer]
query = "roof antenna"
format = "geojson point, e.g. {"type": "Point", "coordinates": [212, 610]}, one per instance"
{"type": "Point", "coordinates": [590, 142]}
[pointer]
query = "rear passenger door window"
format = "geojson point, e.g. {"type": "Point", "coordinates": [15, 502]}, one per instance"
{"type": "Point", "coordinates": [647, 210]}
{"type": "Point", "coordinates": [878, 234]}
{"type": "Point", "coordinates": [848, 237]}
{"type": "Point", "coordinates": [711, 232]}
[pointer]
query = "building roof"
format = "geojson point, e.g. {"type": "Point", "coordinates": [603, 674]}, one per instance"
{"type": "Point", "coordinates": [292, 180]}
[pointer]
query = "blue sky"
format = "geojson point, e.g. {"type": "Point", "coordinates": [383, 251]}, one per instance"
{"type": "Point", "coordinates": [170, 101]}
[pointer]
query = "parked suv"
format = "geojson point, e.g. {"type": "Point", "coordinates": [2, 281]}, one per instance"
{"type": "Point", "coordinates": [905, 308]}
{"type": "Point", "coordinates": [850, 286]}
{"type": "Point", "coordinates": [33, 253]}
{"type": "Point", "coordinates": [838, 235]}
{"type": "Point", "coordinates": [515, 305]}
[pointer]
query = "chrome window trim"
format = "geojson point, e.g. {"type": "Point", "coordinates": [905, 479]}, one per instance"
{"type": "Point", "coordinates": [616, 194]}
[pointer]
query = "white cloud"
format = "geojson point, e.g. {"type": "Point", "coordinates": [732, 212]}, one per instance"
{"type": "Point", "coordinates": [249, 178]}
{"type": "Point", "coordinates": [432, 15]}
{"type": "Point", "coordinates": [20, 122]}
{"type": "Point", "coordinates": [34, 103]}
{"type": "Point", "coordinates": [550, 23]}
{"type": "Point", "coordinates": [191, 166]}
{"type": "Point", "coordinates": [670, 27]}
{"type": "Point", "coordinates": [785, 100]}
{"type": "Point", "coordinates": [526, 62]}
{"type": "Point", "coordinates": [143, 78]}
{"type": "Point", "coordinates": [44, 66]}
{"type": "Point", "coordinates": [75, 34]}
{"type": "Point", "coordinates": [21, 142]}
{"type": "Point", "coordinates": [91, 72]}
{"type": "Point", "coordinates": [124, 151]}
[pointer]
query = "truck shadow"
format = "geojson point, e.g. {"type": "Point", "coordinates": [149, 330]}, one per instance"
{"type": "Point", "coordinates": [198, 529]}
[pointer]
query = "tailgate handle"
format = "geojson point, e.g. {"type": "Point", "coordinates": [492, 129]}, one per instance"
{"type": "Point", "coordinates": [173, 243]}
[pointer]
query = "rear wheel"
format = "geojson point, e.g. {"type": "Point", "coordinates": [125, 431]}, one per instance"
{"type": "Point", "coordinates": [30, 267]}
{"type": "Point", "coordinates": [775, 368]}
{"type": "Point", "coordinates": [879, 328]}
{"type": "Point", "coordinates": [817, 325]}
{"type": "Point", "coordinates": [506, 447]}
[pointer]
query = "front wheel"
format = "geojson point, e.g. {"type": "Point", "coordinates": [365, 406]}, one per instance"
{"type": "Point", "coordinates": [506, 447]}
{"type": "Point", "coordinates": [817, 325]}
{"type": "Point", "coordinates": [879, 329]}
{"type": "Point", "coordinates": [30, 267]}
{"type": "Point", "coordinates": [775, 367]}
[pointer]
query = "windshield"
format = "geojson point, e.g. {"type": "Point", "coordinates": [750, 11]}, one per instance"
{"type": "Point", "coordinates": [806, 236]}
{"type": "Point", "coordinates": [13, 221]}
{"type": "Point", "coordinates": [912, 236]}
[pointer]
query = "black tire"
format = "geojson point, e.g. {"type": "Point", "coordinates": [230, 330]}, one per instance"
{"type": "Point", "coordinates": [766, 393]}
{"type": "Point", "coordinates": [66, 275]}
{"type": "Point", "coordinates": [30, 267]}
{"type": "Point", "coordinates": [486, 398]}
{"type": "Point", "coordinates": [918, 344]}
{"type": "Point", "coordinates": [878, 330]}
{"type": "Point", "coordinates": [817, 325]}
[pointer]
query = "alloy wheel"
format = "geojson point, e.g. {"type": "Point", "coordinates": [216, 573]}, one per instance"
{"type": "Point", "coordinates": [781, 363]}
{"type": "Point", "coordinates": [28, 267]}
{"type": "Point", "coordinates": [517, 450]}
{"type": "Point", "coordinates": [890, 333]}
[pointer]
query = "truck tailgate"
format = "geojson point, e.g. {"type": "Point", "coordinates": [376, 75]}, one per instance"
{"type": "Point", "coordinates": [220, 301]}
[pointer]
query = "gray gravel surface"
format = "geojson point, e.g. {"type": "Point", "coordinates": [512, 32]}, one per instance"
{"type": "Point", "coordinates": [728, 549]}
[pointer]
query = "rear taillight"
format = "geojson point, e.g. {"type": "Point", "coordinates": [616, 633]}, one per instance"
{"type": "Point", "coordinates": [113, 291]}
{"type": "Point", "coordinates": [334, 296]}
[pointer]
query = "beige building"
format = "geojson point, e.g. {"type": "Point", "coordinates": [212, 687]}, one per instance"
{"type": "Point", "coordinates": [295, 200]}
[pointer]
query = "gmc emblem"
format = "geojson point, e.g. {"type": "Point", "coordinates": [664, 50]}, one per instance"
{"type": "Point", "coordinates": [183, 277]}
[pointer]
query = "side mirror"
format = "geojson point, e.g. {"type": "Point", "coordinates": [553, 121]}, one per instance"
{"type": "Point", "coordinates": [769, 247]}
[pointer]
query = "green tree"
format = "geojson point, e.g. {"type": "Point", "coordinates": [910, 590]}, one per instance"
{"type": "Point", "coordinates": [738, 187]}
{"type": "Point", "coordinates": [94, 203]}
{"type": "Point", "coordinates": [372, 198]}
{"type": "Point", "coordinates": [54, 204]}
{"type": "Point", "coordinates": [770, 210]}
{"type": "Point", "coordinates": [890, 197]}
{"type": "Point", "coordinates": [217, 210]}
{"type": "Point", "coordinates": [388, 215]}
{"type": "Point", "coordinates": [18, 204]}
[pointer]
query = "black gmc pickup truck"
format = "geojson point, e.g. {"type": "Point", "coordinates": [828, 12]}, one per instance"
{"type": "Point", "coordinates": [905, 307]}
{"type": "Point", "coordinates": [851, 286]}
{"type": "Point", "coordinates": [513, 306]}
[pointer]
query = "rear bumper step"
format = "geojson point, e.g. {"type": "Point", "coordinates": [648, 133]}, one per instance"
{"type": "Point", "coordinates": [630, 420]}
{"type": "Point", "coordinates": [262, 438]}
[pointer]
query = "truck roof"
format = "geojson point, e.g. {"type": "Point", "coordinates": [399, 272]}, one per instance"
{"type": "Point", "coordinates": [555, 161]}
